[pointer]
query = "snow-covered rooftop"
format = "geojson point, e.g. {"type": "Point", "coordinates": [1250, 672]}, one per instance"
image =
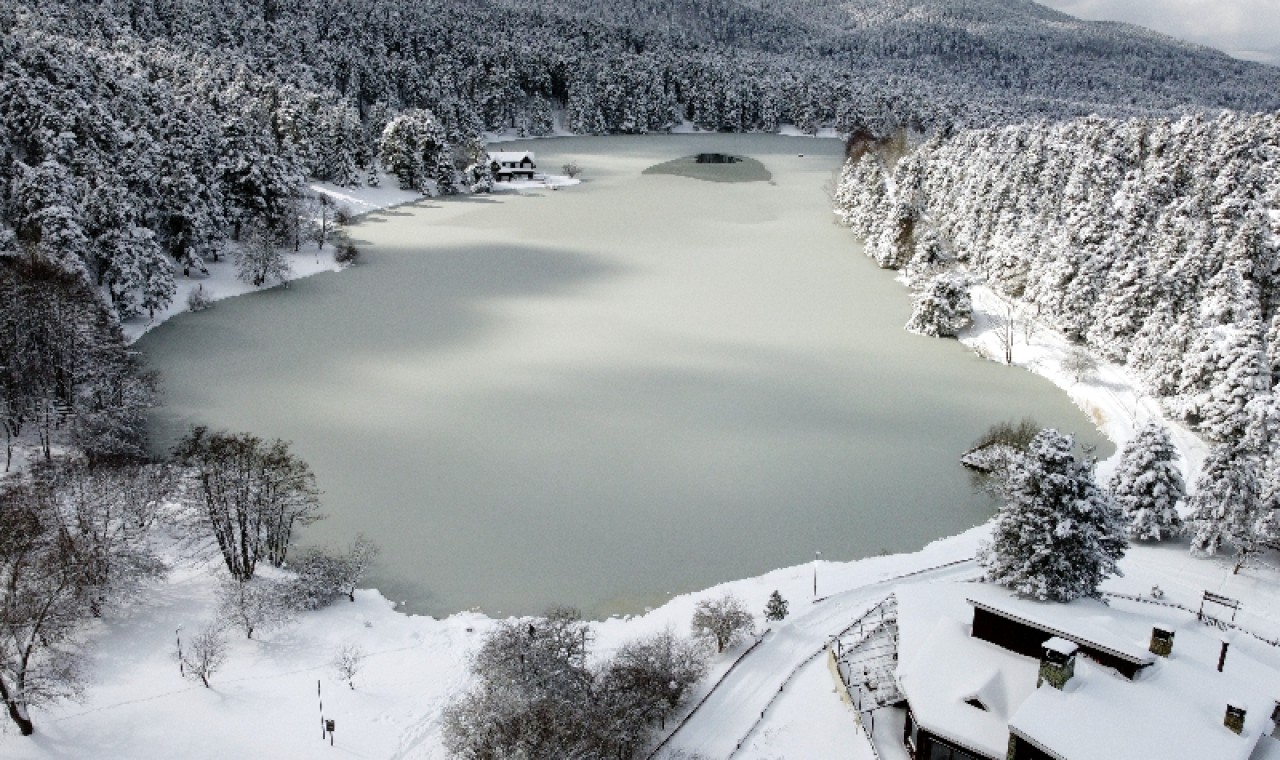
{"type": "Point", "coordinates": [1173, 709]}
{"type": "Point", "coordinates": [1084, 621]}
{"type": "Point", "coordinates": [941, 666]}
{"type": "Point", "coordinates": [1062, 646]}
{"type": "Point", "coordinates": [514, 156]}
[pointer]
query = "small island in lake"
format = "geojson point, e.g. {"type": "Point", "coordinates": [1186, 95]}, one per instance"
{"type": "Point", "coordinates": [714, 167]}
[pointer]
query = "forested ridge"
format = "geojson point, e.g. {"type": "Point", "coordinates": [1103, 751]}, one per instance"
{"type": "Point", "coordinates": [1153, 242]}
{"type": "Point", "coordinates": [138, 134]}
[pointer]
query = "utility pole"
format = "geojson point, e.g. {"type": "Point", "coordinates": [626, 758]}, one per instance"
{"type": "Point", "coordinates": [816, 556]}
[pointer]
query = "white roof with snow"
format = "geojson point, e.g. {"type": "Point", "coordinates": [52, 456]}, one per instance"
{"type": "Point", "coordinates": [514, 156]}
{"type": "Point", "coordinates": [1172, 710]}
{"type": "Point", "coordinates": [1084, 621]}
{"type": "Point", "coordinates": [941, 667]}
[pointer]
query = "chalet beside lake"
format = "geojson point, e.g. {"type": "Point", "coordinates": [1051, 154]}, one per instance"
{"type": "Point", "coordinates": [971, 672]}
{"type": "Point", "coordinates": [509, 165]}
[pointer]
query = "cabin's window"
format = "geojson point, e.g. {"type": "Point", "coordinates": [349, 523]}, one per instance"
{"type": "Point", "coordinates": [943, 752]}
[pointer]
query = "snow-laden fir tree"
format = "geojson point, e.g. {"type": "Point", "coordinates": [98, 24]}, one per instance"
{"type": "Point", "coordinates": [411, 148]}
{"type": "Point", "coordinates": [1147, 485]}
{"type": "Point", "coordinates": [943, 308]}
{"type": "Point", "coordinates": [1059, 535]}
{"type": "Point", "coordinates": [776, 608]}
{"type": "Point", "coordinates": [1226, 505]}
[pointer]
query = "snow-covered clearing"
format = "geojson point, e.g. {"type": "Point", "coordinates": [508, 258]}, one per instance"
{"type": "Point", "coordinates": [264, 702]}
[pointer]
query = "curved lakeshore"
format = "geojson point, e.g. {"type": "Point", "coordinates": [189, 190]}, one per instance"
{"type": "Point", "coordinates": [608, 395]}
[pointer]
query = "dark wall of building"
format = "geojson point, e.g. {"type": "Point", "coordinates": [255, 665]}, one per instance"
{"type": "Point", "coordinates": [1025, 751]}
{"type": "Point", "coordinates": [1022, 638]}
{"type": "Point", "coordinates": [936, 748]}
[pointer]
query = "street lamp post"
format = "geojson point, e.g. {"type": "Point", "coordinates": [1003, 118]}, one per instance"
{"type": "Point", "coordinates": [816, 556]}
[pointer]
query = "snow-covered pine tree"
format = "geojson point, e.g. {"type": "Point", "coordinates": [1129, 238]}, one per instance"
{"type": "Point", "coordinates": [1226, 504]}
{"type": "Point", "coordinates": [892, 247]}
{"type": "Point", "coordinates": [776, 608]}
{"type": "Point", "coordinates": [445, 174]}
{"type": "Point", "coordinates": [943, 308]}
{"type": "Point", "coordinates": [1059, 535]}
{"type": "Point", "coordinates": [411, 146]}
{"type": "Point", "coordinates": [1147, 485]}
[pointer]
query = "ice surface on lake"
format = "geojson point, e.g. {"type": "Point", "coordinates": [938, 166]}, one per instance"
{"type": "Point", "coordinates": [600, 396]}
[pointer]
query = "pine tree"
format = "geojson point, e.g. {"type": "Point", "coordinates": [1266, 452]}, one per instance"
{"type": "Point", "coordinates": [1147, 485]}
{"type": "Point", "coordinates": [411, 148]}
{"type": "Point", "coordinates": [943, 308]}
{"type": "Point", "coordinates": [1059, 535]}
{"type": "Point", "coordinates": [776, 608]}
{"type": "Point", "coordinates": [1226, 506]}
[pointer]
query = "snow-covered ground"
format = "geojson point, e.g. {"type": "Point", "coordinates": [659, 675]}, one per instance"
{"type": "Point", "coordinates": [263, 703]}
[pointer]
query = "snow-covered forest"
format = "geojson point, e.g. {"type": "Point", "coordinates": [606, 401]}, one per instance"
{"type": "Point", "coordinates": [137, 137]}
{"type": "Point", "coordinates": [1153, 242]}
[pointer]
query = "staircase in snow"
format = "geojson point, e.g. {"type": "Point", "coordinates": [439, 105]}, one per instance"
{"type": "Point", "coordinates": [867, 656]}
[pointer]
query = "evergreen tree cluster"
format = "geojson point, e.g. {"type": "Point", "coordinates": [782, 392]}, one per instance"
{"type": "Point", "coordinates": [1147, 485]}
{"type": "Point", "coordinates": [1156, 242]}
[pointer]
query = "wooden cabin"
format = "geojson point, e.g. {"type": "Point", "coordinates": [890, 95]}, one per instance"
{"type": "Point", "coordinates": [511, 165]}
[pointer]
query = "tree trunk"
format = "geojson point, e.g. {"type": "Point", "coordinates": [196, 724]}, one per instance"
{"type": "Point", "coordinates": [25, 726]}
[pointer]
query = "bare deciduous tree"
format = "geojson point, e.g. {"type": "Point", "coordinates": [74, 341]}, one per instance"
{"type": "Point", "coordinates": [537, 697]}
{"type": "Point", "coordinates": [205, 654]}
{"type": "Point", "coordinates": [1079, 363]}
{"type": "Point", "coordinates": [357, 561]}
{"type": "Point", "coordinates": [259, 262]}
{"type": "Point", "coordinates": [251, 494]}
{"type": "Point", "coordinates": [347, 661]}
{"type": "Point", "coordinates": [45, 581]}
{"type": "Point", "coordinates": [1006, 330]}
{"type": "Point", "coordinates": [724, 620]}
{"type": "Point", "coordinates": [257, 604]}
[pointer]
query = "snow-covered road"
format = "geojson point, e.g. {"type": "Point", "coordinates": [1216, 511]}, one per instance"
{"type": "Point", "coordinates": [738, 701]}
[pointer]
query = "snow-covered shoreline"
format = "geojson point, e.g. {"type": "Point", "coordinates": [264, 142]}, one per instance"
{"type": "Point", "coordinates": [1109, 394]}
{"type": "Point", "coordinates": [221, 282]}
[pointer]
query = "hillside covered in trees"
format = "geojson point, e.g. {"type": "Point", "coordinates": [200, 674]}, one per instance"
{"type": "Point", "coordinates": [1153, 242]}
{"type": "Point", "coordinates": [137, 136]}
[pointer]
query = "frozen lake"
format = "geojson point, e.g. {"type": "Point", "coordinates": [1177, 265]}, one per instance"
{"type": "Point", "coordinates": [603, 396]}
